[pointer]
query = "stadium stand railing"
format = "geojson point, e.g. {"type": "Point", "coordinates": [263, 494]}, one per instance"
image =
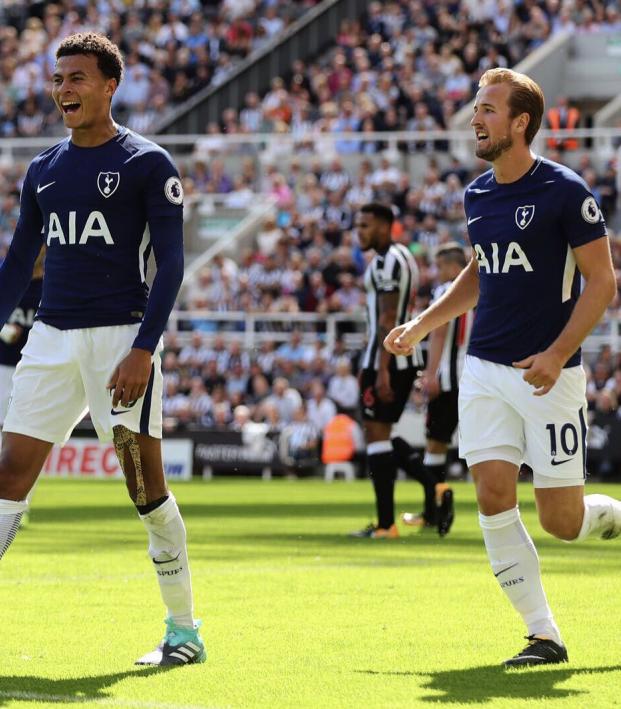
{"type": "Point", "coordinates": [251, 329]}
{"type": "Point", "coordinates": [268, 147]}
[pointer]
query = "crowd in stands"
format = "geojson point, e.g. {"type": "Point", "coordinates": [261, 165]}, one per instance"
{"type": "Point", "coordinates": [295, 389]}
{"type": "Point", "coordinates": [306, 257]}
{"type": "Point", "coordinates": [172, 49]}
{"type": "Point", "coordinates": [408, 64]}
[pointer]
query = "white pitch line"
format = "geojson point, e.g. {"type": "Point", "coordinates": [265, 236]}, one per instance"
{"type": "Point", "coordinates": [104, 701]}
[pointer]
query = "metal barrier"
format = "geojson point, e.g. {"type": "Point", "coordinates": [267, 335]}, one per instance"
{"type": "Point", "coordinates": [251, 329]}
{"type": "Point", "coordinates": [318, 145]}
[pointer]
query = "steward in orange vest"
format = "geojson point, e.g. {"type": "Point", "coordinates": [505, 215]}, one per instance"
{"type": "Point", "coordinates": [560, 118]}
{"type": "Point", "coordinates": [339, 442]}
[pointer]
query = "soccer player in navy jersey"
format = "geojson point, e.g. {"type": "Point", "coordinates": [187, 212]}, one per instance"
{"type": "Point", "coordinates": [535, 230]}
{"type": "Point", "coordinates": [96, 341]}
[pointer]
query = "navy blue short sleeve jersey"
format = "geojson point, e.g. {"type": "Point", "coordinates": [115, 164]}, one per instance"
{"type": "Point", "coordinates": [23, 315]}
{"type": "Point", "coordinates": [91, 207]}
{"type": "Point", "coordinates": [522, 234]}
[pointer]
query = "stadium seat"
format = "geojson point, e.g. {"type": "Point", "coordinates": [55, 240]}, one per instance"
{"type": "Point", "coordinates": [345, 467]}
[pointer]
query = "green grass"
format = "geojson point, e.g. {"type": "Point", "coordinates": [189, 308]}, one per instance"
{"type": "Point", "coordinates": [296, 614]}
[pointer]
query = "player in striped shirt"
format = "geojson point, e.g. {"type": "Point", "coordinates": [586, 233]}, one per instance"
{"type": "Point", "coordinates": [445, 360]}
{"type": "Point", "coordinates": [386, 380]}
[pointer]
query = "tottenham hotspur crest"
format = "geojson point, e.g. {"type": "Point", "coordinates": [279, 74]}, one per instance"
{"type": "Point", "coordinates": [524, 215]}
{"type": "Point", "coordinates": [107, 183]}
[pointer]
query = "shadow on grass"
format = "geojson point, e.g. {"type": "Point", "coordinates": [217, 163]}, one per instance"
{"type": "Point", "coordinates": [88, 508]}
{"type": "Point", "coordinates": [477, 685]}
{"type": "Point", "coordinates": [276, 538]}
{"type": "Point", "coordinates": [74, 690]}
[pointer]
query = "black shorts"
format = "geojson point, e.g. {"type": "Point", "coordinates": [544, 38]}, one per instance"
{"type": "Point", "coordinates": [442, 417]}
{"type": "Point", "coordinates": [373, 409]}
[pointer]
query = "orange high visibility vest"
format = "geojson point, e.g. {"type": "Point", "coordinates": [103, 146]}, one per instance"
{"type": "Point", "coordinates": [554, 120]}
{"type": "Point", "coordinates": [338, 440]}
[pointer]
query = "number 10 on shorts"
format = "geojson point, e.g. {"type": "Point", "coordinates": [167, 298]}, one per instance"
{"type": "Point", "coordinates": [568, 436]}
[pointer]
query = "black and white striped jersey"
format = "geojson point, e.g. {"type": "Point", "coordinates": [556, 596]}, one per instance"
{"type": "Point", "coordinates": [392, 272]}
{"type": "Point", "coordinates": [455, 345]}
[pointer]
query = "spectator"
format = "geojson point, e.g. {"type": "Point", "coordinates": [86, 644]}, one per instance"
{"type": "Point", "coordinates": [285, 399]}
{"type": "Point", "coordinates": [562, 116]}
{"type": "Point", "coordinates": [293, 351]}
{"type": "Point", "coordinates": [320, 409]}
{"type": "Point", "coordinates": [299, 442]}
{"type": "Point", "coordinates": [195, 354]}
{"type": "Point", "coordinates": [344, 389]}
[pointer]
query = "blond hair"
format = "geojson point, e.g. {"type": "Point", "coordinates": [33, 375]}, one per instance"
{"type": "Point", "coordinates": [526, 97]}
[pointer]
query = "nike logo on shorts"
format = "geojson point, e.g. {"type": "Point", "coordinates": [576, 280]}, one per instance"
{"type": "Point", "coordinates": [472, 220]}
{"type": "Point", "coordinates": [507, 569]}
{"type": "Point", "coordinates": [125, 409]}
{"type": "Point", "coordinates": [40, 188]}
{"type": "Point", "coordinates": [560, 462]}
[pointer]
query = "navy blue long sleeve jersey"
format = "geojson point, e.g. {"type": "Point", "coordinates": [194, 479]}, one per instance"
{"type": "Point", "coordinates": [523, 235]}
{"type": "Point", "coordinates": [91, 207]}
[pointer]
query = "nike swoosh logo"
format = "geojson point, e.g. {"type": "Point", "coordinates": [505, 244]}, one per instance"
{"type": "Point", "coordinates": [548, 182]}
{"type": "Point", "coordinates": [560, 462]}
{"type": "Point", "coordinates": [507, 569]}
{"type": "Point", "coordinates": [116, 413]}
{"type": "Point", "coordinates": [476, 190]}
{"type": "Point", "coordinates": [472, 220]}
{"type": "Point", "coordinates": [166, 561]}
{"type": "Point", "coordinates": [40, 188]}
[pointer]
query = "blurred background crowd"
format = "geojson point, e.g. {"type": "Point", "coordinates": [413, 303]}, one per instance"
{"type": "Point", "coordinates": [407, 65]}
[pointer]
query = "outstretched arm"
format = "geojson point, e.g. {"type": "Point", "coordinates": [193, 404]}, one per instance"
{"type": "Point", "coordinates": [458, 299]}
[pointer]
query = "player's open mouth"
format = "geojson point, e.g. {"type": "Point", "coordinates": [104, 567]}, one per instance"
{"type": "Point", "coordinates": [481, 135]}
{"type": "Point", "coordinates": [70, 106]}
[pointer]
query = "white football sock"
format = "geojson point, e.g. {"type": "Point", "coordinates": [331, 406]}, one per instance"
{"type": "Point", "coordinates": [599, 515]}
{"type": "Point", "coordinates": [168, 551]}
{"type": "Point", "coordinates": [516, 566]}
{"type": "Point", "coordinates": [10, 516]}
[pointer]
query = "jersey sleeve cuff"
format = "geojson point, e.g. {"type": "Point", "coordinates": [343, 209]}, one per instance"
{"type": "Point", "coordinates": [144, 343]}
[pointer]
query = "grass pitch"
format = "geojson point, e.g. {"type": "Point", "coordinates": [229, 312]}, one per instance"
{"type": "Point", "coordinates": [296, 614]}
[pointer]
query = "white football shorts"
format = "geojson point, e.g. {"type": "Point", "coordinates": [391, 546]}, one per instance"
{"type": "Point", "coordinates": [6, 382]}
{"type": "Point", "coordinates": [500, 418]}
{"type": "Point", "coordinates": [64, 373]}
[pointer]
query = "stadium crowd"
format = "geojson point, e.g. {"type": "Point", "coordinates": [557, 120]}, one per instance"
{"type": "Point", "coordinates": [172, 49]}
{"type": "Point", "coordinates": [407, 65]}
{"type": "Point", "coordinates": [306, 259]}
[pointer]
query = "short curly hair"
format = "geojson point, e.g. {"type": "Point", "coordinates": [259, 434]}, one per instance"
{"type": "Point", "coordinates": [109, 58]}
